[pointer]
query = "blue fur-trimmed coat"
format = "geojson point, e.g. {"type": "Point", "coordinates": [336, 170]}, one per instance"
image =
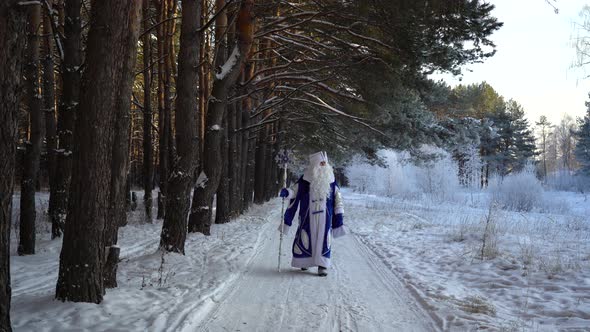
{"type": "Point", "coordinates": [319, 222]}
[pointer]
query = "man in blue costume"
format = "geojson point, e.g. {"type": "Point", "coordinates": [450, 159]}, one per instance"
{"type": "Point", "coordinates": [318, 198]}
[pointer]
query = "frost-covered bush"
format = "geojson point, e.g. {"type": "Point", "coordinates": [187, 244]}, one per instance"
{"type": "Point", "coordinates": [438, 179]}
{"type": "Point", "coordinates": [564, 180]}
{"type": "Point", "coordinates": [520, 191]}
{"type": "Point", "coordinates": [362, 177]}
{"type": "Point", "coordinates": [401, 177]}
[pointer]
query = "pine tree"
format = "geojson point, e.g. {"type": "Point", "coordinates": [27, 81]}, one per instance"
{"type": "Point", "coordinates": [70, 75]}
{"type": "Point", "coordinates": [81, 267]}
{"type": "Point", "coordinates": [516, 144]}
{"type": "Point", "coordinates": [582, 151]}
{"type": "Point", "coordinates": [26, 244]}
{"type": "Point", "coordinates": [174, 229]}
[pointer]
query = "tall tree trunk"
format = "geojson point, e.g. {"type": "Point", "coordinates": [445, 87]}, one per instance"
{"type": "Point", "coordinates": [169, 73]}
{"type": "Point", "coordinates": [223, 192]}
{"type": "Point", "coordinates": [26, 244]}
{"type": "Point", "coordinates": [203, 78]}
{"type": "Point", "coordinates": [200, 219]}
{"type": "Point", "coordinates": [163, 115]}
{"type": "Point", "coordinates": [49, 99]}
{"type": "Point", "coordinates": [222, 212]}
{"type": "Point", "coordinates": [119, 191]}
{"type": "Point", "coordinates": [246, 194]}
{"type": "Point", "coordinates": [13, 20]}
{"type": "Point", "coordinates": [273, 183]}
{"type": "Point", "coordinates": [80, 277]}
{"type": "Point", "coordinates": [148, 167]}
{"type": "Point", "coordinates": [58, 198]}
{"type": "Point", "coordinates": [234, 156]}
{"type": "Point", "coordinates": [251, 171]}
{"type": "Point", "coordinates": [237, 155]}
{"type": "Point", "coordinates": [271, 173]}
{"type": "Point", "coordinates": [260, 168]}
{"type": "Point", "coordinates": [179, 188]}
{"type": "Point", "coordinates": [248, 145]}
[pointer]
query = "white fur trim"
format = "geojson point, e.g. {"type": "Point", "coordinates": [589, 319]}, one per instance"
{"type": "Point", "coordinates": [305, 239]}
{"type": "Point", "coordinates": [291, 193]}
{"type": "Point", "coordinates": [307, 176]}
{"type": "Point", "coordinates": [338, 210]}
{"type": "Point", "coordinates": [310, 262]}
{"type": "Point", "coordinates": [338, 232]}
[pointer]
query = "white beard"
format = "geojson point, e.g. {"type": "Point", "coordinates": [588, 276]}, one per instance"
{"type": "Point", "coordinates": [321, 178]}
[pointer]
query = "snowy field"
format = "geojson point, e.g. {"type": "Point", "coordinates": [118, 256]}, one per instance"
{"type": "Point", "coordinates": [409, 264]}
{"type": "Point", "coordinates": [514, 256]}
{"type": "Point", "coordinates": [534, 275]}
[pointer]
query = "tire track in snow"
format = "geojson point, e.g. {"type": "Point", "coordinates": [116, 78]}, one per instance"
{"type": "Point", "coordinates": [190, 317]}
{"type": "Point", "coordinates": [390, 277]}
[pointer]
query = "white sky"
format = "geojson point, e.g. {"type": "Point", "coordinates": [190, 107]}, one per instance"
{"type": "Point", "coordinates": [534, 58]}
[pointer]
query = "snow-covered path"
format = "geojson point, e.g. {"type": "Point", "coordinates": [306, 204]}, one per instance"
{"type": "Point", "coordinates": [360, 294]}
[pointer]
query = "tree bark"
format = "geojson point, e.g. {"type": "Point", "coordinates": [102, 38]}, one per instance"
{"type": "Point", "coordinates": [248, 145]}
{"type": "Point", "coordinates": [234, 164]}
{"type": "Point", "coordinates": [274, 180]}
{"type": "Point", "coordinates": [260, 167]}
{"type": "Point", "coordinates": [222, 213]}
{"type": "Point", "coordinates": [58, 198]}
{"type": "Point", "coordinates": [200, 219]}
{"type": "Point", "coordinates": [82, 257]}
{"type": "Point", "coordinates": [246, 194]}
{"type": "Point", "coordinates": [12, 43]}
{"type": "Point", "coordinates": [223, 192]}
{"type": "Point", "coordinates": [148, 167]}
{"type": "Point", "coordinates": [119, 192]}
{"type": "Point", "coordinates": [271, 167]}
{"type": "Point", "coordinates": [179, 187]}
{"type": "Point", "coordinates": [49, 100]}
{"type": "Point", "coordinates": [203, 80]}
{"type": "Point", "coordinates": [26, 245]}
{"type": "Point", "coordinates": [163, 108]}
{"type": "Point", "coordinates": [237, 166]}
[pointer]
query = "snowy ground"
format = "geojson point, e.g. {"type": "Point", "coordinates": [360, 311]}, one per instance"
{"type": "Point", "coordinates": [408, 265]}
{"type": "Point", "coordinates": [227, 281]}
{"type": "Point", "coordinates": [535, 271]}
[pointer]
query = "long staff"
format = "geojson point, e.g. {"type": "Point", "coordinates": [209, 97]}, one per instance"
{"type": "Point", "coordinates": [283, 159]}
{"type": "Point", "coordinates": [282, 215]}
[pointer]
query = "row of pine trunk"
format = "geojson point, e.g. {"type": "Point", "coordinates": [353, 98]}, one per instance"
{"type": "Point", "coordinates": [83, 115]}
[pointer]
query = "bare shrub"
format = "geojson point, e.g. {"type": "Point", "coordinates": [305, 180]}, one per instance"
{"type": "Point", "coordinates": [477, 305]}
{"type": "Point", "coordinates": [552, 266]}
{"type": "Point", "coordinates": [461, 231]}
{"type": "Point", "coordinates": [527, 252]}
{"type": "Point", "coordinates": [489, 239]}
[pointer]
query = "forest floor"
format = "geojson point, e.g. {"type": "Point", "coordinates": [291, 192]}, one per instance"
{"type": "Point", "coordinates": [405, 266]}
